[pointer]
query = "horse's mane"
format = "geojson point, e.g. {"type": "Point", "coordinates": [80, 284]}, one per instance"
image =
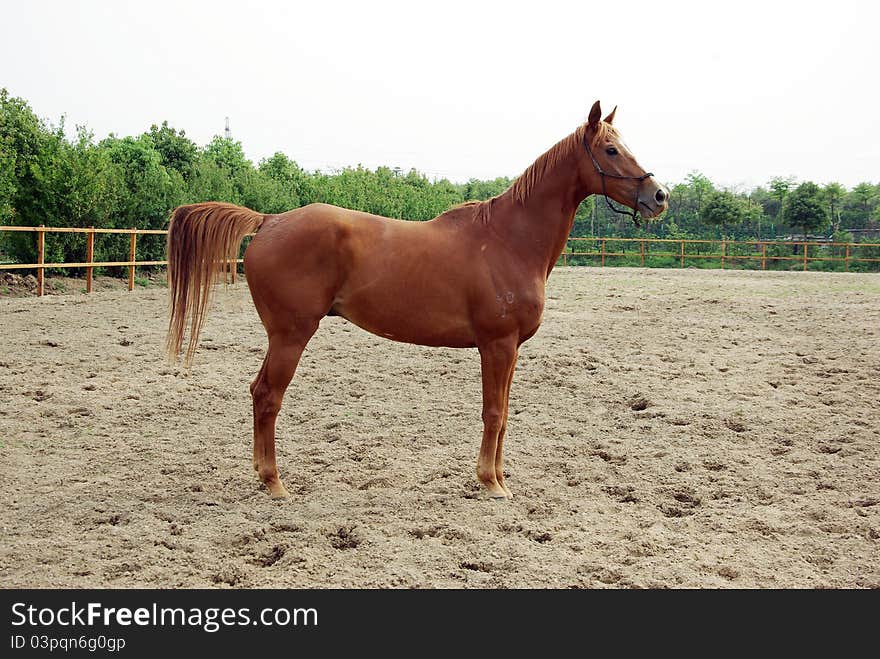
{"type": "Point", "coordinates": [522, 187]}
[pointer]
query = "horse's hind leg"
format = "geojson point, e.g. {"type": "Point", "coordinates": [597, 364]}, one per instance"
{"type": "Point", "coordinates": [267, 390]}
{"type": "Point", "coordinates": [254, 384]}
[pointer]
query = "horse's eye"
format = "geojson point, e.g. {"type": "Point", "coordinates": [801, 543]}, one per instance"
{"type": "Point", "coordinates": [611, 151]}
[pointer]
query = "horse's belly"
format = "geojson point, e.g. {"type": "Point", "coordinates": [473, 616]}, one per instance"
{"type": "Point", "coordinates": [408, 316]}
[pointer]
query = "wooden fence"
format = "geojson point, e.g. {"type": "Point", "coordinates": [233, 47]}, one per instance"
{"type": "Point", "coordinates": [730, 252]}
{"type": "Point", "coordinates": [89, 264]}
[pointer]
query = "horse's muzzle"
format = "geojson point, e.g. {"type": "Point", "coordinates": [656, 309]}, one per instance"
{"type": "Point", "coordinates": [653, 199]}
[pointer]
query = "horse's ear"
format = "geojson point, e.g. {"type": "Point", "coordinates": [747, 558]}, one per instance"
{"type": "Point", "coordinates": [610, 118]}
{"type": "Point", "coordinates": [595, 115]}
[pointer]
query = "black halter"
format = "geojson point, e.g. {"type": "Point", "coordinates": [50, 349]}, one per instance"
{"type": "Point", "coordinates": [603, 174]}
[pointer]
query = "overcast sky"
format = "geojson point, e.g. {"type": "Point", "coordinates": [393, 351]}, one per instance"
{"type": "Point", "coordinates": [741, 91]}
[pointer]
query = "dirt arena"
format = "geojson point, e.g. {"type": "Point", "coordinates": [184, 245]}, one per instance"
{"type": "Point", "coordinates": [668, 428]}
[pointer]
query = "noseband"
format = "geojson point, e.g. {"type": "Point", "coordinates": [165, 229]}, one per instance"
{"type": "Point", "coordinates": [604, 174]}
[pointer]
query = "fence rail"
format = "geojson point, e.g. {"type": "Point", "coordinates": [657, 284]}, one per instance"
{"type": "Point", "coordinates": [89, 264]}
{"type": "Point", "coordinates": [731, 251]}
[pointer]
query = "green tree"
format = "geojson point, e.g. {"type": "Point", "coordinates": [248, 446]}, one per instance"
{"type": "Point", "coordinates": [863, 199]}
{"type": "Point", "coordinates": [700, 187]}
{"type": "Point", "coordinates": [7, 187]}
{"type": "Point", "coordinates": [834, 194]}
{"type": "Point", "coordinates": [685, 205]}
{"type": "Point", "coordinates": [210, 182]}
{"type": "Point", "coordinates": [475, 189]}
{"type": "Point", "coordinates": [177, 151]}
{"type": "Point", "coordinates": [266, 194]}
{"type": "Point", "coordinates": [779, 189]}
{"type": "Point", "coordinates": [721, 209]}
{"type": "Point", "coordinates": [72, 184]}
{"type": "Point", "coordinates": [23, 140]}
{"type": "Point", "coordinates": [805, 208]}
{"type": "Point", "coordinates": [149, 191]}
{"type": "Point", "coordinates": [282, 169]}
{"type": "Point", "coordinates": [585, 218]}
{"type": "Point", "coordinates": [228, 155]}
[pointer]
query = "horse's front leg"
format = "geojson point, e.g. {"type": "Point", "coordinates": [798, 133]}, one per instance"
{"type": "Point", "coordinates": [498, 359]}
{"type": "Point", "coordinates": [502, 434]}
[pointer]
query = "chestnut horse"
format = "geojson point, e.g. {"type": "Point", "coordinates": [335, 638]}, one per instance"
{"type": "Point", "coordinates": [473, 277]}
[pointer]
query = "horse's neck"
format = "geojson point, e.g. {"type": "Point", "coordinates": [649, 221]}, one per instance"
{"type": "Point", "coordinates": [541, 223]}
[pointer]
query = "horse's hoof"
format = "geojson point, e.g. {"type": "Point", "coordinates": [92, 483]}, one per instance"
{"type": "Point", "coordinates": [495, 490]}
{"type": "Point", "coordinates": [278, 491]}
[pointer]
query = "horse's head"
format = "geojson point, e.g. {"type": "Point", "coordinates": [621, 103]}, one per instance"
{"type": "Point", "coordinates": [609, 168]}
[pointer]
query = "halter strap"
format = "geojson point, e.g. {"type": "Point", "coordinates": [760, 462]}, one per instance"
{"type": "Point", "coordinates": [604, 174]}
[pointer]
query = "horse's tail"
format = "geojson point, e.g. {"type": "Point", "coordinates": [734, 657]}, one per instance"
{"type": "Point", "coordinates": [203, 241]}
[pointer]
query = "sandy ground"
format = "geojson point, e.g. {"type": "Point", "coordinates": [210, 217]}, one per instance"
{"type": "Point", "coordinates": [678, 428]}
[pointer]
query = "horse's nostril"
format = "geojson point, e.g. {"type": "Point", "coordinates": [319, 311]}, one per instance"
{"type": "Point", "coordinates": [660, 196]}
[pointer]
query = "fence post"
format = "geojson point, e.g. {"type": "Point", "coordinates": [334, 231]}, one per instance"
{"type": "Point", "coordinates": [763, 256]}
{"type": "Point", "coordinates": [603, 252]}
{"type": "Point", "coordinates": [90, 258]}
{"type": "Point", "coordinates": [131, 253]}
{"type": "Point", "coordinates": [565, 254]}
{"type": "Point", "coordinates": [805, 257]}
{"type": "Point", "coordinates": [41, 259]}
{"type": "Point", "coordinates": [682, 253]}
{"type": "Point", "coordinates": [723, 247]}
{"type": "Point", "coordinates": [642, 250]}
{"type": "Point", "coordinates": [846, 259]}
